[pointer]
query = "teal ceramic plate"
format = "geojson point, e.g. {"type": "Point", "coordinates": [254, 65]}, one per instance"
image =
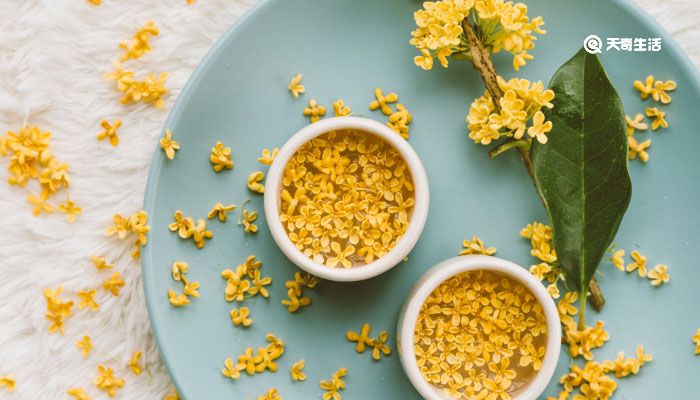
{"type": "Point", "coordinates": [345, 48]}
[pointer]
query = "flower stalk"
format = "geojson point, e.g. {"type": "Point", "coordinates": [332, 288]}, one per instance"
{"type": "Point", "coordinates": [481, 60]}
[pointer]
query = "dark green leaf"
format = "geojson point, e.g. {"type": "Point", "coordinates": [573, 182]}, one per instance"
{"type": "Point", "coordinates": [581, 172]}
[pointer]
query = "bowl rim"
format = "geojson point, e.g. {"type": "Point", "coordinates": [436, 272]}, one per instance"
{"type": "Point", "coordinates": [418, 218]}
{"type": "Point", "coordinates": [456, 265]}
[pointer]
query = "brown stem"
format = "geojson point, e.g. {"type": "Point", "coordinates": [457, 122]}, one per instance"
{"type": "Point", "coordinates": [481, 60]}
{"type": "Point", "coordinates": [596, 295]}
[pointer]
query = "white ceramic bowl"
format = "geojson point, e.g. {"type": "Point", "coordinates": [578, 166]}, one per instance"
{"type": "Point", "coordinates": [449, 268]}
{"type": "Point", "coordinates": [416, 222]}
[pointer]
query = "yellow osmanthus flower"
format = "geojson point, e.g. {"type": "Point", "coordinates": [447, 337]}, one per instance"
{"type": "Point", "coordinates": [334, 385]}
{"type": "Point", "coordinates": [107, 382]}
{"type": "Point", "coordinates": [581, 342]}
{"type": "Point", "coordinates": [295, 291]}
{"type": "Point", "coordinates": [297, 371]}
{"type": "Point", "coordinates": [314, 111]}
{"type": "Point", "coordinates": [340, 109]}
{"type": "Point", "coordinates": [70, 209]}
{"type": "Point", "coordinates": [219, 210]}
{"type": "Point", "coordinates": [504, 26]}
{"type": "Point", "coordinates": [136, 224]}
{"type": "Point", "coordinates": [78, 393]}
{"type": "Point", "coordinates": [221, 157]}
{"type": "Point", "coordinates": [247, 220]}
{"type": "Point", "coordinates": [636, 124]}
{"type": "Point", "coordinates": [399, 121]}
{"type": "Point", "coordinates": [173, 395]}
{"type": "Point", "coordinates": [57, 310]}
{"type": "Point", "coordinates": [114, 283]}
{"type": "Point", "coordinates": [658, 118]}
{"type": "Point", "coordinates": [696, 341]}
{"type": "Point", "coordinates": [87, 299]}
{"type": "Point", "coordinates": [660, 89]}
{"type": "Point", "coordinates": [110, 131]}
{"type": "Point", "coordinates": [254, 180]}
{"type": "Point", "coordinates": [658, 275]}
{"type": "Point", "coordinates": [255, 362]}
{"type": "Point", "coordinates": [618, 259]}
{"type": "Point", "coordinates": [271, 394]}
{"type": "Point", "coordinates": [8, 382]}
{"type": "Point", "coordinates": [31, 158]}
{"type": "Point", "coordinates": [245, 281]}
{"type": "Point", "coordinates": [638, 149]}
{"type": "Point", "coordinates": [553, 290]}
{"type": "Point", "coordinates": [95, 2]}
{"type": "Point", "coordinates": [85, 345]}
{"type": "Point", "coordinates": [177, 300]}
{"type": "Point", "coordinates": [379, 346]}
{"type": "Point", "coordinates": [295, 87]}
{"type": "Point", "coordinates": [200, 234]}
{"type": "Point", "coordinates": [150, 90]}
{"type": "Point", "coordinates": [639, 264]}
{"type": "Point", "coordinates": [134, 363]}
{"type": "Point", "coordinates": [169, 145]}
{"type": "Point", "coordinates": [268, 156]}
{"type": "Point", "coordinates": [522, 100]}
{"type": "Point", "coordinates": [184, 226]}
{"type": "Point", "coordinates": [645, 89]}
{"type": "Point", "coordinates": [567, 310]}
{"type": "Point", "coordinates": [476, 246]}
{"type": "Point", "coordinates": [540, 270]}
{"type": "Point", "coordinates": [139, 45]}
{"type": "Point", "coordinates": [241, 316]}
{"type": "Point", "coordinates": [656, 89]}
{"type": "Point", "coordinates": [100, 262]}
{"type": "Point", "coordinates": [382, 101]}
{"type": "Point", "coordinates": [361, 338]}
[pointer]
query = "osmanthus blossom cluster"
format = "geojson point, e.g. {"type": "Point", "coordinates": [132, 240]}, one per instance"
{"type": "Point", "coordinates": [522, 101]}
{"type": "Point", "coordinates": [500, 25]}
{"type": "Point", "coordinates": [31, 158]}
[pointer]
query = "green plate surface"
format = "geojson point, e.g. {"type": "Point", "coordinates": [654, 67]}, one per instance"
{"type": "Point", "coordinates": [345, 48]}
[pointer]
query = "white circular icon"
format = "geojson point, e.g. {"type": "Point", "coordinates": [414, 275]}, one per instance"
{"type": "Point", "coordinates": [593, 44]}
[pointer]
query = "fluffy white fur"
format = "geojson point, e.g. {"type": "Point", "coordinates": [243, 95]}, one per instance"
{"type": "Point", "coordinates": [52, 57]}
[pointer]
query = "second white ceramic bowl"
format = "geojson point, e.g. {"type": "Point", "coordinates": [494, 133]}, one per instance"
{"type": "Point", "coordinates": [444, 271]}
{"type": "Point", "coordinates": [416, 222]}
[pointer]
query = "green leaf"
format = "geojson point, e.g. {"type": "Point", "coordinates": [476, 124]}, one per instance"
{"type": "Point", "coordinates": [581, 172]}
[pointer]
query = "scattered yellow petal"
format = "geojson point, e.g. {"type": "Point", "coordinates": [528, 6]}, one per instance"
{"type": "Point", "coordinates": [100, 263]}
{"type": "Point", "coordinates": [297, 371]}
{"type": "Point", "coordinates": [240, 316]}
{"type": "Point", "coordinates": [78, 393]}
{"type": "Point", "coordinates": [110, 131]}
{"type": "Point", "coordinates": [85, 345]}
{"type": "Point", "coordinates": [476, 246]}
{"type": "Point", "coordinates": [314, 111]}
{"type": "Point", "coordinates": [134, 363]}
{"type": "Point", "coordinates": [219, 210]}
{"type": "Point", "coordinates": [658, 118]}
{"type": "Point", "coordinates": [107, 382]}
{"type": "Point", "coordinates": [254, 184]}
{"type": "Point", "coordinates": [87, 299]}
{"type": "Point", "coordinates": [221, 157]}
{"type": "Point", "coordinates": [268, 156]}
{"type": "Point", "coordinates": [635, 124]}
{"type": "Point", "coordinates": [658, 275]}
{"type": "Point", "coordinates": [382, 101]}
{"type": "Point", "coordinates": [114, 283]}
{"type": "Point", "coordinates": [168, 145]}
{"type": "Point", "coordinates": [340, 109]}
{"type": "Point", "coordinates": [295, 87]}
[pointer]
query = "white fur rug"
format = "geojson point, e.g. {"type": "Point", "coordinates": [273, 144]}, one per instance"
{"type": "Point", "coordinates": [52, 57]}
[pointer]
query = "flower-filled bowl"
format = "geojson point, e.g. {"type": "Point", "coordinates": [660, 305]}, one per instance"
{"type": "Point", "coordinates": [346, 198]}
